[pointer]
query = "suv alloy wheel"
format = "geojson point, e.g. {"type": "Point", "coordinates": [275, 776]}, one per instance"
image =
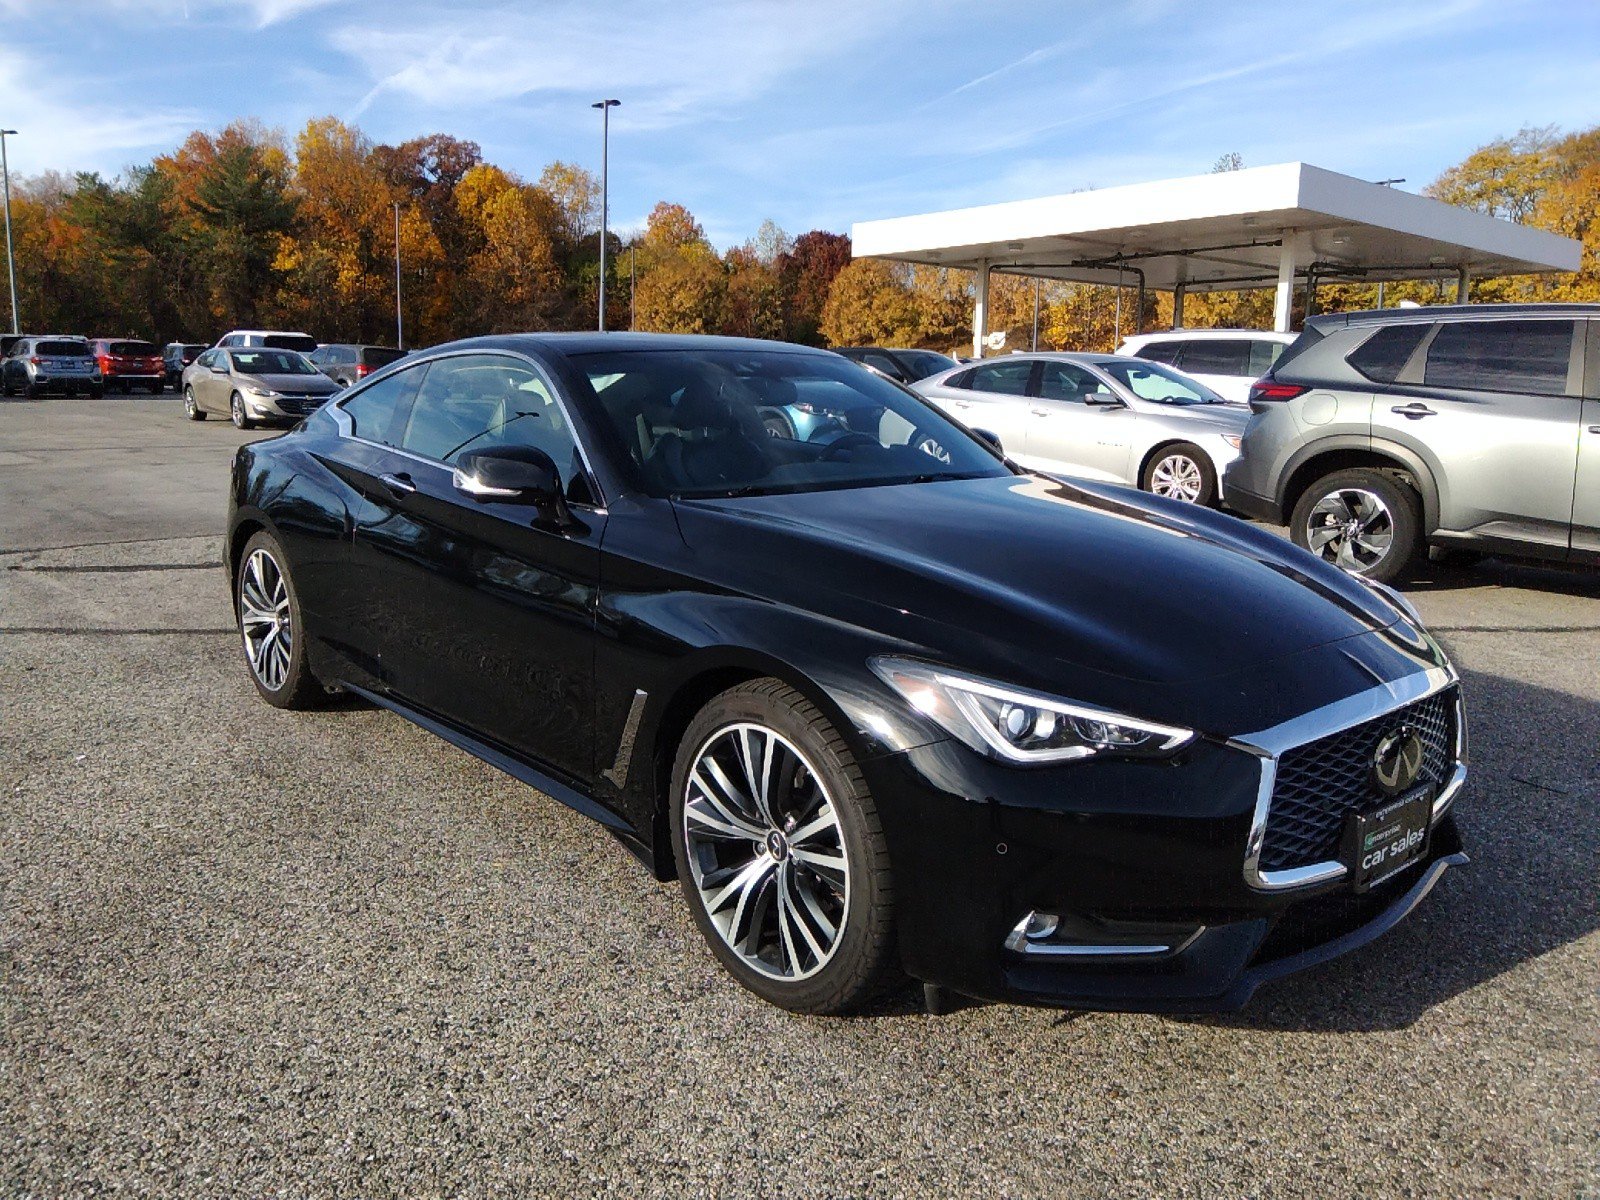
{"type": "Point", "coordinates": [1366, 521]}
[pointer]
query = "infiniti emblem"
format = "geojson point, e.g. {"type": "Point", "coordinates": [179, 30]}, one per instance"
{"type": "Point", "coordinates": [777, 846]}
{"type": "Point", "coordinates": [1398, 760]}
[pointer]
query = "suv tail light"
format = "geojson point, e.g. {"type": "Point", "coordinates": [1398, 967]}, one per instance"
{"type": "Point", "coordinates": [34, 360]}
{"type": "Point", "coordinates": [1271, 389]}
{"type": "Point", "coordinates": [362, 370]}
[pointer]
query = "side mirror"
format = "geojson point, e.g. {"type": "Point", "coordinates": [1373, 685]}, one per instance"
{"type": "Point", "coordinates": [513, 475]}
{"type": "Point", "coordinates": [218, 369]}
{"type": "Point", "coordinates": [991, 438]}
{"type": "Point", "coordinates": [1103, 400]}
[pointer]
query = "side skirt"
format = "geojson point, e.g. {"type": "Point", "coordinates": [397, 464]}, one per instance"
{"type": "Point", "coordinates": [518, 769]}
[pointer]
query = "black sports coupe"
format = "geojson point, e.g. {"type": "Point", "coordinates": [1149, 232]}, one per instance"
{"type": "Point", "coordinates": [887, 703]}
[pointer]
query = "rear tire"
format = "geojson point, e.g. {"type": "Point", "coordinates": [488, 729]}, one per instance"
{"type": "Point", "coordinates": [236, 410]}
{"type": "Point", "coordinates": [1181, 471]}
{"type": "Point", "coordinates": [811, 928]}
{"type": "Point", "coordinates": [1363, 520]}
{"type": "Point", "coordinates": [6, 389]}
{"type": "Point", "coordinates": [157, 388]}
{"type": "Point", "coordinates": [190, 409]}
{"type": "Point", "coordinates": [95, 393]}
{"type": "Point", "coordinates": [267, 610]}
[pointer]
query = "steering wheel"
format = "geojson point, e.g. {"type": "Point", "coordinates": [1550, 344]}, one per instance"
{"type": "Point", "coordinates": [845, 442]}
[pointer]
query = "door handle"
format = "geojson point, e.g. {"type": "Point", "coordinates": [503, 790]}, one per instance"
{"type": "Point", "coordinates": [400, 485]}
{"type": "Point", "coordinates": [1594, 429]}
{"type": "Point", "coordinates": [1040, 412]}
{"type": "Point", "coordinates": [1413, 411]}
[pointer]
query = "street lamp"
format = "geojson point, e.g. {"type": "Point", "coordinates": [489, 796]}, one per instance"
{"type": "Point", "coordinates": [11, 261]}
{"type": "Point", "coordinates": [605, 107]}
{"type": "Point", "coordinates": [399, 327]}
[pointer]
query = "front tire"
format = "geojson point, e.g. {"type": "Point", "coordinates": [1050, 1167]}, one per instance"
{"type": "Point", "coordinates": [267, 609]}
{"type": "Point", "coordinates": [1365, 521]}
{"type": "Point", "coordinates": [781, 854]}
{"type": "Point", "coordinates": [1181, 471]}
{"type": "Point", "coordinates": [236, 409]}
{"type": "Point", "coordinates": [190, 409]}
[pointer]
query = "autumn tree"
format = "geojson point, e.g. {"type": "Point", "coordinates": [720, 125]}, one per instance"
{"type": "Point", "coordinates": [870, 303]}
{"type": "Point", "coordinates": [806, 272]}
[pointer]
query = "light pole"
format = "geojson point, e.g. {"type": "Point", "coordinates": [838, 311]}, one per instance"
{"type": "Point", "coordinates": [11, 261]}
{"type": "Point", "coordinates": [399, 324]}
{"type": "Point", "coordinates": [605, 107]}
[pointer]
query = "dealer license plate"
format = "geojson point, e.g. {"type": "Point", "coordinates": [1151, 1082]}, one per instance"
{"type": "Point", "coordinates": [1387, 840]}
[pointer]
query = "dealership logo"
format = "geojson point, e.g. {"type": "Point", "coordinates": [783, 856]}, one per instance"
{"type": "Point", "coordinates": [1398, 760]}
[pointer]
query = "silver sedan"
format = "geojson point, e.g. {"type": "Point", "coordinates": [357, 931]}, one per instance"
{"type": "Point", "coordinates": [1099, 416]}
{"type": "Point", "coordinates": [254, 384]}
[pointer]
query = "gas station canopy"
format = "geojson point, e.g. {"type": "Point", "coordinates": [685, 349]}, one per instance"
{"type": "Point", "coordinates": [1261, 227]}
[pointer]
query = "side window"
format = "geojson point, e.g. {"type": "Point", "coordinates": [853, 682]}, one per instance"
{"type": "Point", "coordinates": [206, 359]}
{"type": "Point", "coordinates": [372, 409]}
{"type": "Point", "coordinates": [961, 379]}
{"type": "Point", "coordinates": [1384, 355]}
{"type": "Point", "coordinates": [483, 401]}
{"type": "Point", "coordinates": [1222, 356]}
{"type": "Point", "coordinates": [1263, 355]}
{"type": "Point", "coordinates": [1161, 352]}
{"type": "Point", "coordinates": [1501, 356]}
{"type": "Point", "coordinates": [1064, 381]}
{"type": "Point", "coordinates": [1009, 378]}
{"type": "Point", "coordinates": [885, 364]}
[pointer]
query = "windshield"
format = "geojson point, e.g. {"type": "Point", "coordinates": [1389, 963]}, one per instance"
{"type": "Point", "coordinates": [1162, 385]}
{"type": "Point", "coordinates": [75, 349]}
{"type": "Point", "coordinates": [735, 422]}
{"type": "Point", "coordinates": [926, 362]}
{"type": "Point", "coordinates": [133, 349]}
{"type": "Point", "coordinates": [271, 362]}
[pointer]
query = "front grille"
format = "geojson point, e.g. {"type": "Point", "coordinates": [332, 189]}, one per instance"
{"type": "Point", "coordinates": [300, 405]}
{"type": "Point", "coordinates": [1320, 783]}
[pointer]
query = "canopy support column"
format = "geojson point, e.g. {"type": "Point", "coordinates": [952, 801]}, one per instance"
{"type": "Point", "coordinates": [980, 308]}
{"type": "Point", "coordinates": [1463, 283]}
{"type": "Point", "coordinates": [1284, 306]}
{"type": "Point", "coordinates": [1177, 305]}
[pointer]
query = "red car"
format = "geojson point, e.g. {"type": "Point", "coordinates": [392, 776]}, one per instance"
{"type": "Point", "coordinates": [126, 364]}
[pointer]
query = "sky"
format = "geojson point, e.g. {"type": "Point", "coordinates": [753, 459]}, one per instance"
{"type": "Point", "coordinates": [814, 113]}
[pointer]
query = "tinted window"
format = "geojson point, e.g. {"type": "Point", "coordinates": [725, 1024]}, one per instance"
{"type": "Point", "coordinates": [1383, 355]}
{"type": "Point", "coordinates": [1501, 356]}
{"type": "Point", "coordinates": [883, 363]}
{"type": "Point", "coordinates": [1009, 378]}
{"type": "Point", "coordinates": [207, 359]}
{"type": "Point", "coordinates": [1223, 356]}
{"type": "Point", "coordinates": [289, 341]}
{"type": "Point", "coordinates": [483, 401]}
{"type": "Point", "coordinates": [133, 349]}
{"type": "Point", "coordinates": [378, 356]}
{"type": "Point", "coordinates": [690, 424]}
{"type": "Point", "coordinates": [233, 339]}
{"type": "Point", "coordinates": [271, 362]}
{"type": "Point", "coordinates": [64, 348]}
{"type": "Point", "coordinates": [372, 409]}
{"type": "Point", "coordinates": [1162, 352]}
{"type": "Point", "coordinates": [926, 362]}
{"type": "Point", "coordinates": [1065, 381]}
{"type": "Point", "coordinates": [1263, 355]}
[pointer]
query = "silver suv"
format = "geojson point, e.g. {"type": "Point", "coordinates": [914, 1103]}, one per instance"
{"type": "Point", "coordinates": [1473, 428]}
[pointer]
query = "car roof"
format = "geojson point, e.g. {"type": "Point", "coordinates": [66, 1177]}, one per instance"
{"type": "Point", "coordinates": [263, 332]}
{"type": "Point", "coordinates": [1202, 335]}
{"type": "Point", "coordinates": [1323, 322]}
{"type": "Point", "coordinates": [570, 344]}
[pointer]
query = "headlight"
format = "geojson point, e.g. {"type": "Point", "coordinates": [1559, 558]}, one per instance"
{"type": "Point", "coordinates": [1233, 439]}
{"type": "Point", "coordinates": [1020, 727]}
{"type": "Point", "coordinates": [259, 391]}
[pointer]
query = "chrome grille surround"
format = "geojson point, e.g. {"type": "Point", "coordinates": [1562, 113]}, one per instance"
{"type": "Point", "coordinates": [1272, 745]}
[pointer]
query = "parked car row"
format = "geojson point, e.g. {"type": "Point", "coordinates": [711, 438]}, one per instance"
{"type": "Point", "coordinates": [36, 365]}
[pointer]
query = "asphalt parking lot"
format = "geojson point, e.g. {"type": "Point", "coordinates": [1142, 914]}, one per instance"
{"type": "Point", "coordinates": [250, 952]}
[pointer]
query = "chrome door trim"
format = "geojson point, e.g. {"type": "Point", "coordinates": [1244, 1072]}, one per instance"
{"type": "Point", "coordinates": [1270, 744]}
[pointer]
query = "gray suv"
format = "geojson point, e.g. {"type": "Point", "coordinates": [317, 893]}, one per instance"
{"type": "Point", "coordinates": [1472, 428]}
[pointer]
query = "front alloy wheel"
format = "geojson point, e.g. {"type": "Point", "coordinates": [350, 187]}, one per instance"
{"type": "Point", "coordinates": [236, 410]}
{"type": "Point", "coordinates": [780, 851]}
{"type": "Point", "coordinates": [190, 409]}
{"type": "Point", "coordinates": [1182, 472]}
{"type": "Point", "coordinates": [270, 626]}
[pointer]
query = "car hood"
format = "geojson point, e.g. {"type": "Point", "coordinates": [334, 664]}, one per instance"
{"type": "Point", "coordinates": [1101, 592]}
{"type": "Point", "coordinates": [314, 385]}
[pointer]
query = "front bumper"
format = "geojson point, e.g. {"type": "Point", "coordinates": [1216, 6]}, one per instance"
{"type": "Point", "coordinates": [1143, 861]}
{"type": "Point", "coordinates": [284, 408]}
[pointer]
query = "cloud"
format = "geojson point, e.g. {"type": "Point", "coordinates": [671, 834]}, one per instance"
{"type": "Point", "coordinates": [257, 14]}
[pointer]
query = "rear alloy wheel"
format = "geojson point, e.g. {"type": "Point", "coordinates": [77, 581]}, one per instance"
{"type": "Point", "coordinates": [236, 408]}
{"type": "Point", "coordinates": [190, 409]}
{"type": "Point", "coordinates": [776, 423]}
{"type": "Point", "coordinates": [780, 851]}
{"type": "Point", "coordinates": [271, 627]}
{"type": "Point", "coordinates": [1181, 472]}
{"type": "Point", "coordinates": [1365, 521]}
